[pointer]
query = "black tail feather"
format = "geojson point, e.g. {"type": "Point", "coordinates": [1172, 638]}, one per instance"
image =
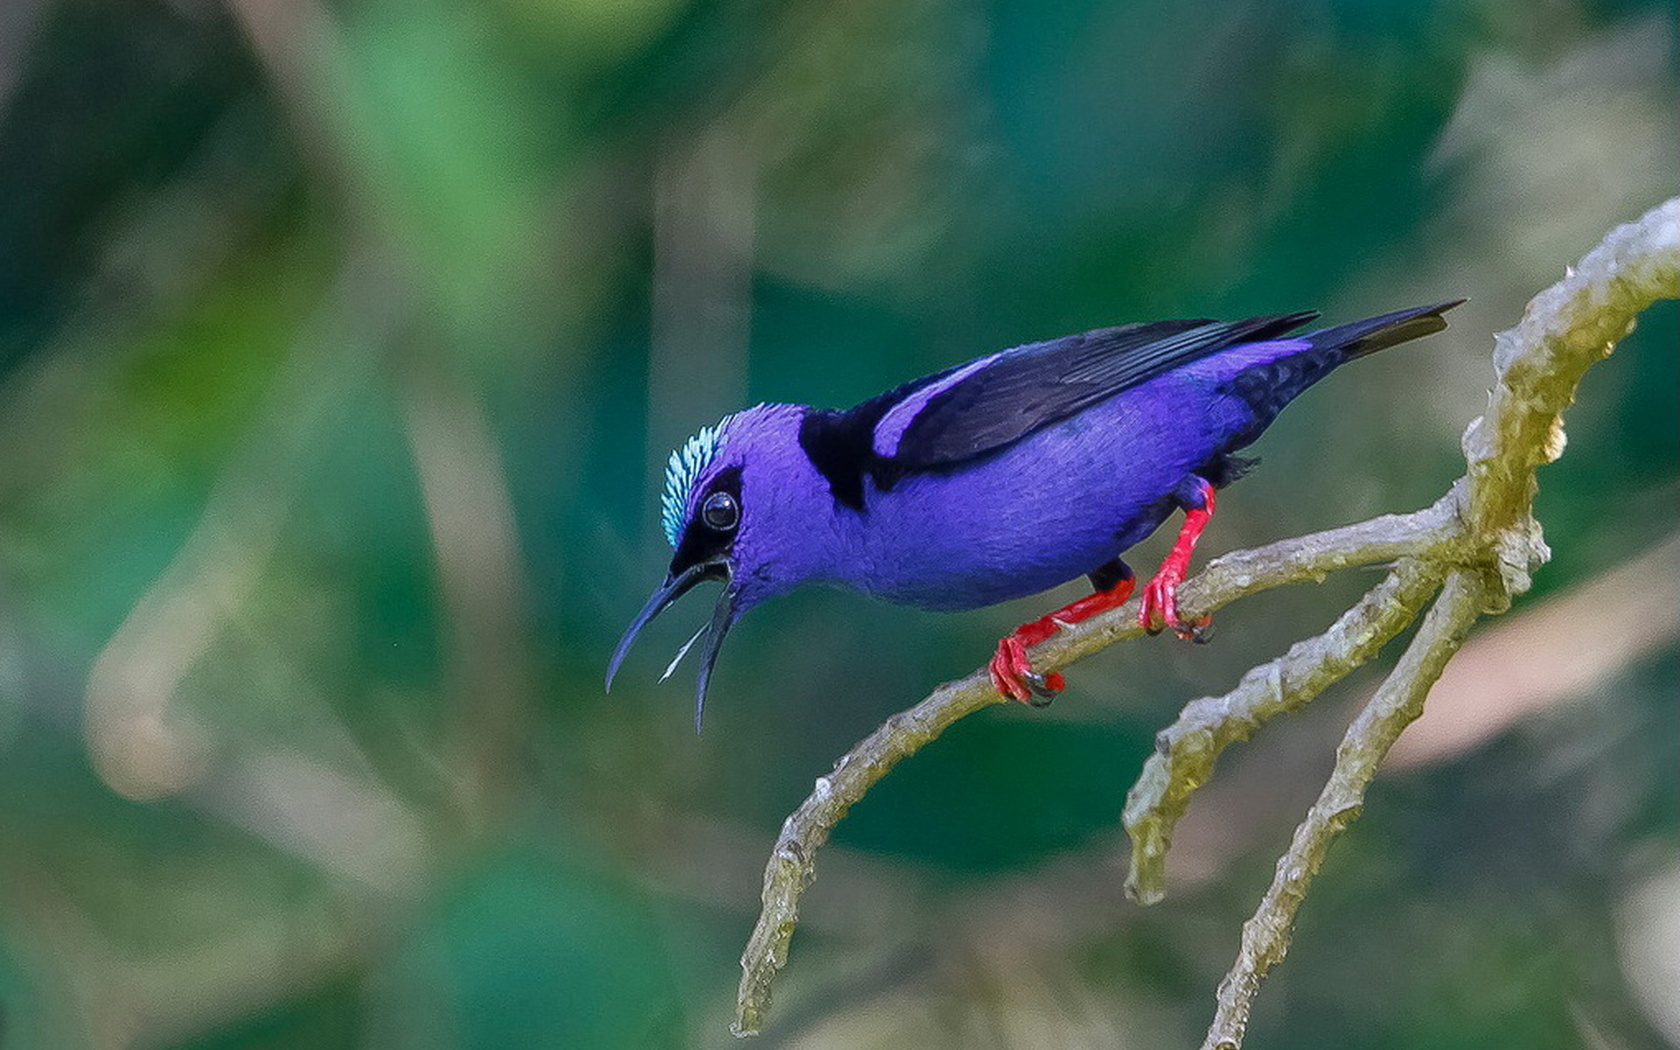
{"type": "Point", "coordinates": [1379, 333]}
{"type": "Point", "coordinates": [1269, 387]}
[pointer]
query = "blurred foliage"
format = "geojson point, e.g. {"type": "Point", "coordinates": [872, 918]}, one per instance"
{"type": "Point", "coordinates": [340, 345]}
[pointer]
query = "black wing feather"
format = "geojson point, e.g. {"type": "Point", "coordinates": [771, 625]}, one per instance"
{"type": "Point", "coordinates": [841, 444]}
{"type": "Point", "coordinates": [1036, 385]}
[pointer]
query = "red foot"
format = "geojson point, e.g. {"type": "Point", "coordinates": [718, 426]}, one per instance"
{"type": "Point", "coordinates": [1014, 677]}
{"type": "Point", "coordinates": [1160, 594]}
{"type": "Point", "coordinates": [1012, 672]}
{"type": "Point", "coordinates": [1160, 607]}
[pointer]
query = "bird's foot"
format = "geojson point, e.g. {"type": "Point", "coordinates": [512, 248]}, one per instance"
{"type": "Point", "coordinates": [1013, 674]}
{"type": "Point", "coordinates": [1160, 607]}
{"type": "Point", "coordinates": [1160, 594]}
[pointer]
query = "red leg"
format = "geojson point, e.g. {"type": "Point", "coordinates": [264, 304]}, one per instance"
{"type": "Point", "coordinates": [1160, 595]}
{"type": "Point", "coordinates": [1012, 672]}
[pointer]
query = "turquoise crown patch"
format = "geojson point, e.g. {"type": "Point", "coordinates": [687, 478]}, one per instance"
{"type": "Point", "coordinates": [684, 466]}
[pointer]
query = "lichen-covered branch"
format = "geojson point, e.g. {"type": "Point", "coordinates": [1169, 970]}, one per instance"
{"type": "Point", "coordinates": [1239, 574]}
{"type": "Point", "coordinates": [1186, 750]}
{"type": "Point", "coordinates": [793, 862]}
{"type": "Point", "coordinates": [1265, 936]}
{"type": "Point", "coordinates": [1565, 330]}
{"type": "Point", "coordinates": [1480, 538]}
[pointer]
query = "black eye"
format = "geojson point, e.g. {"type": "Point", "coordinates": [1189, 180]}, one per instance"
{"type": "Point", "coordinates": [720, 512]}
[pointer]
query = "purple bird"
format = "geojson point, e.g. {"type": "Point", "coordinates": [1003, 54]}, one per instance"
{"type": "Point", "coordinates": [996, 479]}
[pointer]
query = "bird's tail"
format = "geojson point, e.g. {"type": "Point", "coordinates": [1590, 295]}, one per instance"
{"type": "Point", "coordinates": [1358, 338]}
{"type": "Point", "coordinates": [1269, 386]}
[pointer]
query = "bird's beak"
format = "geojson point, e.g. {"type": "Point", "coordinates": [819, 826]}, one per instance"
{"type": "Point", "coordinates": [674, 587]}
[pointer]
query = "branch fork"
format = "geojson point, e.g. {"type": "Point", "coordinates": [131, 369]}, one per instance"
{"type": "Point", "coordinates": [1472, 552]}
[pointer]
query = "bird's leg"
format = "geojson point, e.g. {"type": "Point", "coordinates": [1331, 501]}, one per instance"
{"type": "Point", "coordinates": [1160, 594]}
{"type": "Point", "coordinates": [1012, 672]}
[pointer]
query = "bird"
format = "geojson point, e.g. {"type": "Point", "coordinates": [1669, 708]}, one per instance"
{"type": "Point", "coordinates": [995, 479]}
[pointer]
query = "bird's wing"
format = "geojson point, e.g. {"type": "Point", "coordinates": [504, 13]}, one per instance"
{"type": "Point", "coordinates": [987, 404]}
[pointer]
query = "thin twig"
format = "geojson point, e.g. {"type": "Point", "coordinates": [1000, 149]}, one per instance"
{"type": "Point", "coordinates": [1432, 531]}
{"type": "Point", "coordinates": [1185, 751]}
{"type": "Point", "coordinates": [1265, 936]}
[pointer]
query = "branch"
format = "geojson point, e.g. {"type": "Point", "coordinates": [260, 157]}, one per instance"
{"type": "Point", "coordinates": [1565, 330]}
{"type": "Point", "coordinates": [1485, 520]}
{"type": "Point", "coordinates": [1265, 936]}
{"type": "Point", "coordinates": [1539, 365]}
{"type": "Point", "coordinates": [1186, 750]}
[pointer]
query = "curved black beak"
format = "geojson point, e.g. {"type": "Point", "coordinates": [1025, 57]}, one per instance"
{"type": "Point", "coordinates": [673, 588]}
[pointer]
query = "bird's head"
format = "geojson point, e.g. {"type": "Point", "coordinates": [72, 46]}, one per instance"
{"type": "Point", "coordinates": [731, 511]}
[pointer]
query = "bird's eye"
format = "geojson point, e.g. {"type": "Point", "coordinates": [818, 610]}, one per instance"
{"type": "Point", "coordinates": [720, 512]}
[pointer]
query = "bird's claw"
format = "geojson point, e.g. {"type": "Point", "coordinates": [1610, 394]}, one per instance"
{"type": "Point", "coordinates": [1014, 677]}
{"type": "Point", "coordinates": [1160, 610]}
{"type": "Point", "coordinates": [1039, 685]}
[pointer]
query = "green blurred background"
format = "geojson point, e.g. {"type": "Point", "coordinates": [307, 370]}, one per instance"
{"type": "Point", "coordinates": [341, 345]}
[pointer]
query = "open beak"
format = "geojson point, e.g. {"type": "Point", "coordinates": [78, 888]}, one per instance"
{"type": "Point", "coordinates": [673, 588]}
